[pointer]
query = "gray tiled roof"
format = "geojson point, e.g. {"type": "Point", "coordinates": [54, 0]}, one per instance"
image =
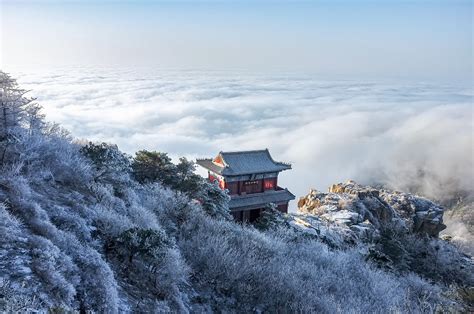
{"type": "Point", "coordinates": [244, 162]}
{"type": "Point", "coordinates": [250, 200]}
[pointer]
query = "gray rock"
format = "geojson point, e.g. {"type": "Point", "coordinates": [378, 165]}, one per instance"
{"type": "Point", "coordinates": [349, 204]}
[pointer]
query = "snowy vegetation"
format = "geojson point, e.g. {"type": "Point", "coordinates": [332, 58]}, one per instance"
{"type": "Point", "coordinates": [84, 226]}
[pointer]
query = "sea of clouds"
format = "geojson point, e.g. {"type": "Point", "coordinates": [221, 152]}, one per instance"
{"type": "Point", "coordinates": [412, 136]}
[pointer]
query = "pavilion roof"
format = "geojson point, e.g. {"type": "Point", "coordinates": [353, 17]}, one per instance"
{"type": "Point", "coordinates": [243, 163]}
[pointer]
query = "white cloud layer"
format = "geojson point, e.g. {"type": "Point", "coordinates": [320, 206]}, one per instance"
{"type": "Point", "coordinates": [415, 136]}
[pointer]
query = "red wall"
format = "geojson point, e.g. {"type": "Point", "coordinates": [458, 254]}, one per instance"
{"type": "Point", "coordinates": [248, 187]}
{"type": "Point", "coordinates": [233, 187]}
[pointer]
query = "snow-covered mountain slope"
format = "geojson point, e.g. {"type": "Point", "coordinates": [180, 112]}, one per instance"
{"type": "Point", "coordinates": [81, 228]}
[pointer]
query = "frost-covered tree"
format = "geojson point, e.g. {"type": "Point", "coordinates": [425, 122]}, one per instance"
{"type": "Point", "coordinates": [153, 167]}
{"type": "Point", "coordinates": [149, 167]}
{"type": "Point", "coordinates": [14, 113]}
{"type": "Point", "coordinates": [12, 107]}
{"type": "Point", "coordinates": [140, 242]}
{"type": "Point", "coordinates": [214, 200]}
{"type": "Point", "coordinates": [35, 118]}
{"type": "Point", "coordinates": [111, 165]}
{"type": "Point", "coordinates": [186, 179]}
{"type": "Point", "coordinates": [270, 218]}
{"type": "Point", "coordinates": [149, 260]}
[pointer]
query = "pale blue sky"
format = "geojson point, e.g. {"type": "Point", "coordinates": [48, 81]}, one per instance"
{"type": "Point", "coordinates": [353, 39]}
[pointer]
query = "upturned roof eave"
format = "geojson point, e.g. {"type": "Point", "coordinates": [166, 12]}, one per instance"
{"type": "Point", "coordinates": [209, 165]}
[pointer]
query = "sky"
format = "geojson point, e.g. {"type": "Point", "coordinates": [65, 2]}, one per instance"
{"type": "Point", "coordinates": [375, 91]}
{"type": "Point", "coordinates": [337, 39]}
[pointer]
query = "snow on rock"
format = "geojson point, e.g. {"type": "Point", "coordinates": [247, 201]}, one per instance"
{"type": "Point", "coordinates": [365, 210]}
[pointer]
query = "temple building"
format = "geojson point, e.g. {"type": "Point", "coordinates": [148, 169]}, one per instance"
{"type": "Point", "coordinates": [251, 177]}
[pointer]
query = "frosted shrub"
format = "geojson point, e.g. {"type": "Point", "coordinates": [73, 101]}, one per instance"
{"type": "Point", "coordinates": [269, 273]}
{"type": "Point", "coordinates": [13, 301]}
{"type": "Point", "coordinates": [214, 201]}
{"type": "Point", "coordinates": [148, 260]}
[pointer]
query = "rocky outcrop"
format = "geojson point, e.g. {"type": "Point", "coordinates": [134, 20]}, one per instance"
{"type": "Point", "coordinates": [365, 210]}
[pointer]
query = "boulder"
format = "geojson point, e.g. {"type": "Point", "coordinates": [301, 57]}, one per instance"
{"type": "Point", "coordinates": [301, 202]}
